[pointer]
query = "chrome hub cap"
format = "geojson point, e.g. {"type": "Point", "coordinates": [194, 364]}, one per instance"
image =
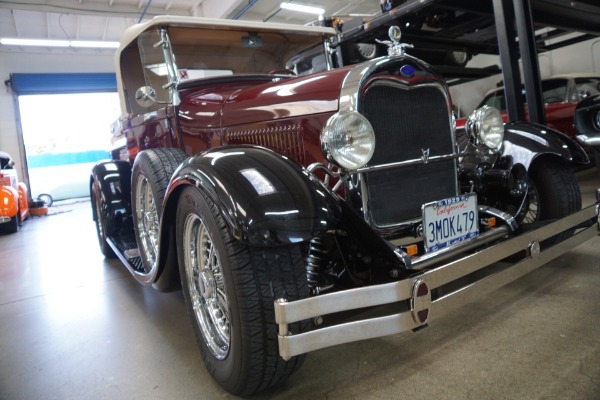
{"type": "Point", "coordinates": [206, 286]}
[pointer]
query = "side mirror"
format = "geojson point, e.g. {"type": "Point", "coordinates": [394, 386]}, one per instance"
{"type": "Point", "coordinates": [145, 96]}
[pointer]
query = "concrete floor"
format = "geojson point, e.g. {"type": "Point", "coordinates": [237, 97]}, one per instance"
{"type": "Point", "coordinates": [76, 326]}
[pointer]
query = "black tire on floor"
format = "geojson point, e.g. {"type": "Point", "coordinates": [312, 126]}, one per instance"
{"type": "Point", "coordinates": [102, 223]}
{"type": "Point", "coordinates": [229, 291]}
{"type": "Point", "coordinates": [11, 226]}
{"type": "Point", "coordinates": [46, 198]}
{"type": "Point", "coordinates": [150, 177]}
{"type": "Point", "coordinates": [554, 186]}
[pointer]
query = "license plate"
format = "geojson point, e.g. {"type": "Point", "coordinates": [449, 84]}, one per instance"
{"type": "Point", "coordinates": [450, 221]}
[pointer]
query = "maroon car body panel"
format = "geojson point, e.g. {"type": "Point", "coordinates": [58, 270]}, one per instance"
{"type": "Point", "coordinates": [281, 115]}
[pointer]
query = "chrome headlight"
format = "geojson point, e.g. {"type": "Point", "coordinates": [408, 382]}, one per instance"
{"type": "Point", "coordinates": [485, 127]}
{"type": "Point", "coordinates": [348, 140]}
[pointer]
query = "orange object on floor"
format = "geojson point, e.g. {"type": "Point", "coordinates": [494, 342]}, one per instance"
{"type": "Point", "coordinates": [38, 211]}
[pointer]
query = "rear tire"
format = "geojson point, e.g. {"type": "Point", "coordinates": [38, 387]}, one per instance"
{"type": "Point", "coordinates": [229, 290]}
{"type": "Point", "coordinates": [102, 224]}
{"type": "Point", "coordinates": [150, 177]}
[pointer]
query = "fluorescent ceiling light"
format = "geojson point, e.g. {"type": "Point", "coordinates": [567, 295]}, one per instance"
{"type": "Point", "coordinates": [34, 42]}
{"type": "Point", "coordinates": [58, 43]}
{"type": "Point", "coordinates": [301, 8]}
{"type": "Point", "coordinates": [94, 44]}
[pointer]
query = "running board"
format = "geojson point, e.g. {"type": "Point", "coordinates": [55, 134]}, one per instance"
{"type": "Point", "coordinates": [125, 247]}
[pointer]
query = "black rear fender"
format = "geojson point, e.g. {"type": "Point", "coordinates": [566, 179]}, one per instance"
{"type": "Point", "coordinates": [113, 184]}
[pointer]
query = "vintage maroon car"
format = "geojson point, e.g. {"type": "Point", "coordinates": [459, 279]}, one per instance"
{"type": "Point", "coordinates": [561, 95]}
{"type": "Point", "coordinates": [300, 204]}
{"type": "Point", "coordinates": [14, 206]}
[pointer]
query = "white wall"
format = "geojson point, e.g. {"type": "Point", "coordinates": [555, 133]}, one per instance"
{"type": "Point", "coordinates": [51, 61]}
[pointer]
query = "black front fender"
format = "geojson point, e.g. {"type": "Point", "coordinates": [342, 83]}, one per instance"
{"type": "Point", "coordinates": [524, 142]}
{"type": "Point", "coordinates": [266, 199]}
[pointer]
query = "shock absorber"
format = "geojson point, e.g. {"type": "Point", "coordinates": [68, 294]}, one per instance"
{"type": "Point", "coordinates": [316, 261]}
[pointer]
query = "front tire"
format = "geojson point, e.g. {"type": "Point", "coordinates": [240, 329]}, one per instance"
{"type": "Point", "coordinates": [553, 193]}
{"type": "Point", "coordinates": [229, 291]}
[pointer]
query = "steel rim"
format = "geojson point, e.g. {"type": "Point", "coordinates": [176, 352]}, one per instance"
{"type": "Point", "coordinates": [206, 286]}
{"type": "Point", "coordinates": [147, 220]}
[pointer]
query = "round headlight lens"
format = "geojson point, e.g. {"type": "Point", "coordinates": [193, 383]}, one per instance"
{"type": "Point", "coordinates": [485, 127]}
{"type": "Point", "coordinates": [348, 140]}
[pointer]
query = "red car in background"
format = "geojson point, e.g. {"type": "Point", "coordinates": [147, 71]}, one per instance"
{"type": "Point", "coordinates": [561, 94]}
{"type": "Point", "coordinates": [14, 206]}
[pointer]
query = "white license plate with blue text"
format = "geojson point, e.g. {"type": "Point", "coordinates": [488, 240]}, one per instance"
{"type": "Point", "coordinates": [450, 221]}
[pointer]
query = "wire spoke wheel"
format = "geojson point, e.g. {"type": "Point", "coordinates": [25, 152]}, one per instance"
{"type": "Point", "coordinates": [533, 204]}
{"type": "Point", "coordinates": [147, 219]}
{"type": "Point", "coordinates": [206, 286]}
{"type": "Point", "coordinates": [229, 290]}
{"type": "Point", "coordinates": [150, 177]}
{"type": "Point", "coordinates": [553, 194]}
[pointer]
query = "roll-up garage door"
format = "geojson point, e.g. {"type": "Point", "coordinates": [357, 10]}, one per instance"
{"type": "Point", "coordinates": [24, 84]}
{"type": "Point", "coordinates": [65, 121]}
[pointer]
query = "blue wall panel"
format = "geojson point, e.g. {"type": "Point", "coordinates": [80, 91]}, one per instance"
{"type": "Point", "coordinates": [25, 84]}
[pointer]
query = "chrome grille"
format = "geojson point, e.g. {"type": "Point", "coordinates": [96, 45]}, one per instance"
{"type": "Point", "coordinates": [407, 121]}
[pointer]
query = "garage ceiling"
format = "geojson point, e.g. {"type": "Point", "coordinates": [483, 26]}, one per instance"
{"type": "Point", "coordinates": [106, 19]}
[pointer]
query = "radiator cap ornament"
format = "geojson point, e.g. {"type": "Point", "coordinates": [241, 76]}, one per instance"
{"type": "Point", "coordinates": [395, 48]}
{"type": "Point", "coordinates": [395, 33]}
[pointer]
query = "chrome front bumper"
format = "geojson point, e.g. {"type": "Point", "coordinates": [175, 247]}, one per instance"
{"type": "Point", "coordinates": [417, 290]}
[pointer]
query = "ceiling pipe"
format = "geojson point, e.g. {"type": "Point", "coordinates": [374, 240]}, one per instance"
{"type": "Point", "coordinates": [144, 11]}
{"type": "Point", "coordinates": [243, 10]}
{"type": "Point", "coordinates": [274, 13]}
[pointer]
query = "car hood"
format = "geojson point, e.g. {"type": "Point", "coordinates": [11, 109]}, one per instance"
{"type": "Point", "coordinates": [234, 100]}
